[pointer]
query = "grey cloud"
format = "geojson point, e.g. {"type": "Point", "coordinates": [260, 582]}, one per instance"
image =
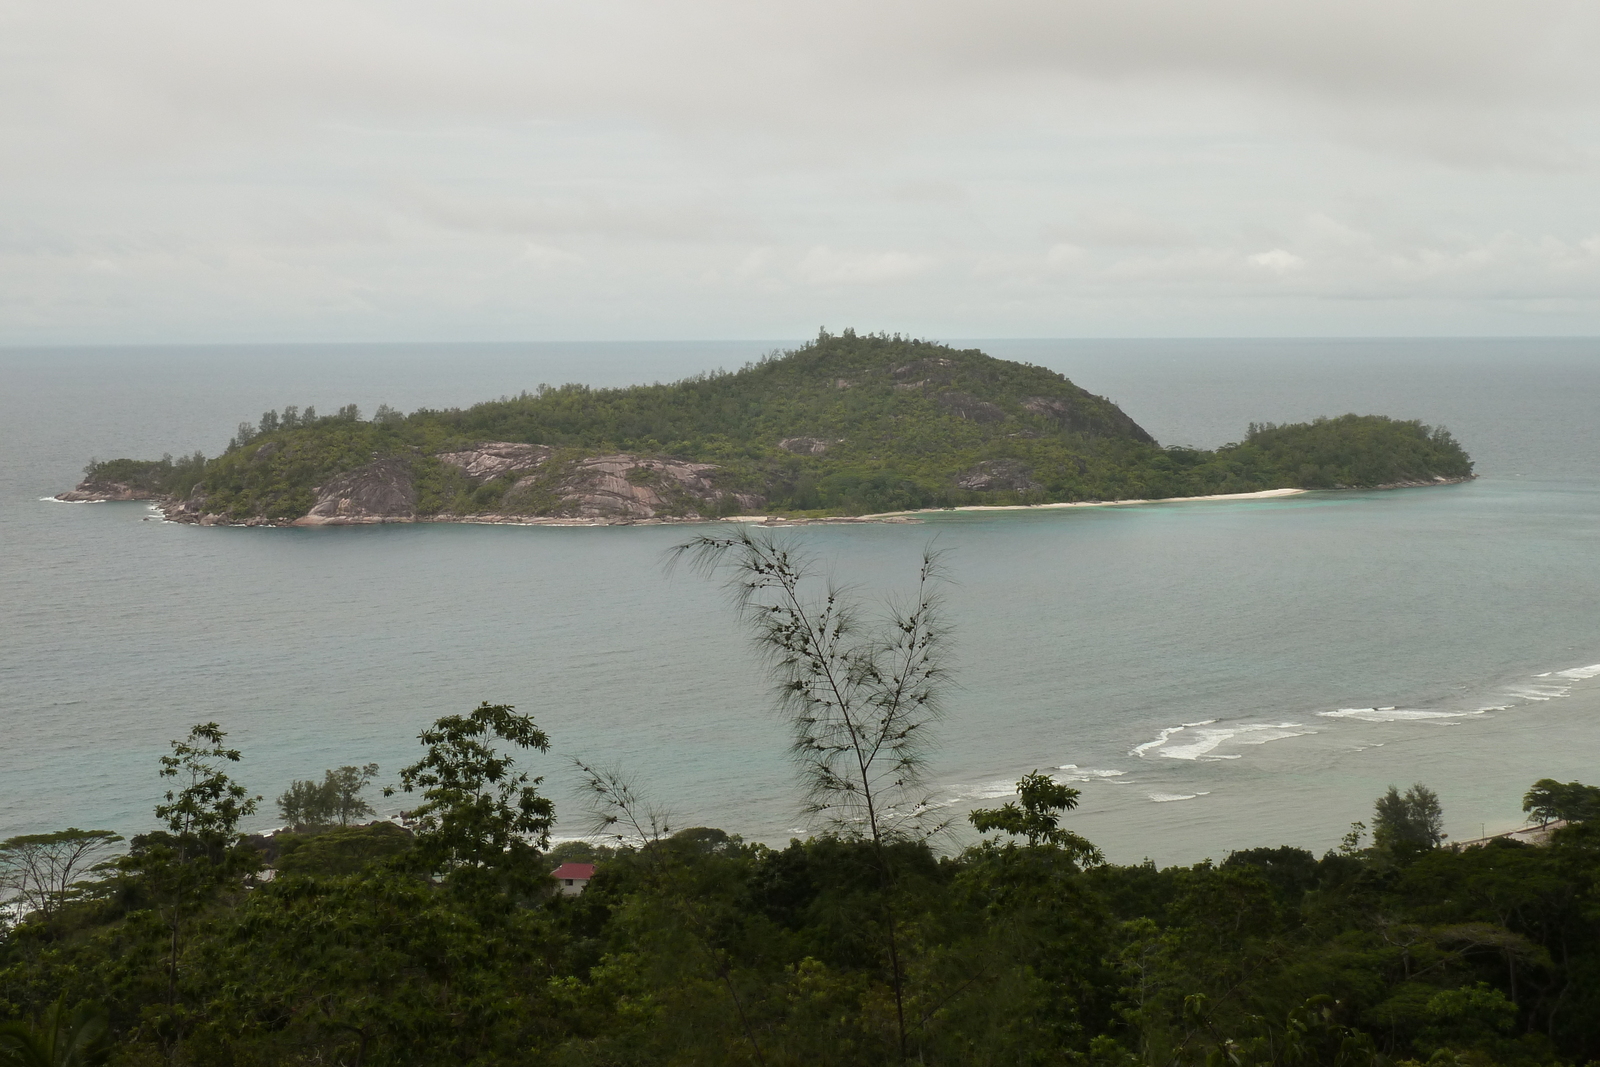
{"type": "Point", "coordinates": [169, 70]}
{"type": "Point", "coordinates": [373, 168]}
{"type": "Point", "coordinates": [588, 215]}
{"type": "Point", "coordinates": [1119, 227]}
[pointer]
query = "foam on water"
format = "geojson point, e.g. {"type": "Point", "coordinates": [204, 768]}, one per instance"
{"type": "Point", "coordinates": [992, 791]}
{"type": "Point", "coordinates": [1537, 692]}
{"type": "Point", "coordinates": [1533, 691]}
{"type": "Point", "coordinates": [1165, 735]}
{"type": "Point", "coordinates": [1393, 714]}
{"type": "Point", "coordinates": [1168, 798]}
{"type": "Point", "coordinates": [1007, 787]}
{"type": "Point", "coordinates": [1580, 673]}
{"type": "Point", "coordinates": [1202, 740]}
{"type": "Point", "coordinates": [1073, 773]}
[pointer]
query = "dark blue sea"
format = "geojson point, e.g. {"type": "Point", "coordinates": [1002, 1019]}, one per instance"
{"type": "Point", "coordinates": [1213, 675]}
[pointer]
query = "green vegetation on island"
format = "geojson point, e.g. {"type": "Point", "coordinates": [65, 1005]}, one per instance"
{"type": "Point", "coordinates": [845, 425]}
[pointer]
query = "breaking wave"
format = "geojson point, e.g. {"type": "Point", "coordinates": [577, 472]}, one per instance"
{"type": "Point", "coordinates": [1394, 714]}
{"type": "Point", "coordinates": [1201, 740]}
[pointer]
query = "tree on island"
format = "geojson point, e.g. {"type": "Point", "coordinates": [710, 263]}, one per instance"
{"type": "Point", "coordinates": [848, 424]}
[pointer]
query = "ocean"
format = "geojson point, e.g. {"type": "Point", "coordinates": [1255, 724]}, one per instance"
{"type": "Point", "coordinates": [1212, 675]}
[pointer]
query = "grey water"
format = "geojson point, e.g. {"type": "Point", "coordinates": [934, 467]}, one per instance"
{"type": "Point", "coordinates": [1213, 675]}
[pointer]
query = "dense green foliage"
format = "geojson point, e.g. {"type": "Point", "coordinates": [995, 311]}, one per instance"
{"type": "Point", "coordinates": [165, 476]}
{"type": "Point", "coordinates": [370, 947]}
{"type": "Point", "coordinates": [1550, 800]}
{"type": "Point", "coordinates": [846, 424]}
{"type": "Point", "coordinates": [1408, 823]}
{"type": "Point", "coordinates": [1351, 451]}
{"type": "Point", "coordinates": [335, 799]}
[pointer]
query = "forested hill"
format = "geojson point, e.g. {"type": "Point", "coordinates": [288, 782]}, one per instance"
{"type": "Point", "coordinates": [845, 425]}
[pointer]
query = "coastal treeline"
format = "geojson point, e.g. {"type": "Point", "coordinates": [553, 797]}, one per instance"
{"type": "Point", "coordinates": [379, 945]}
{"type": "Point", "coordinates": [847, 424]}
{"type": "Point", "coordinates": [165, 476]}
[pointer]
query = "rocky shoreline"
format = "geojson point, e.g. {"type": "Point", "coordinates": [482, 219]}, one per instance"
{"type": "Point", "coordinates": [1439, 480]}
{"type": "Point", "coordinates": [604, 490]}
{"type": "Point", "coordinates": [378, 494]}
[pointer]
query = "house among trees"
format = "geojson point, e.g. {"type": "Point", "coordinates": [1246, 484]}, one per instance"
{"type": "Point", "coordinates": [573, 878]}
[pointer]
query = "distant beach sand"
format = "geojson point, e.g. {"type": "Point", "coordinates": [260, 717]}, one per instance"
{"type": "Point", "coordinates": [1262, 495]}
{"type": "Point", "coordinates": [900, 516]}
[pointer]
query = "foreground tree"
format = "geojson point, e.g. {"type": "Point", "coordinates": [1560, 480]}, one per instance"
{"type": "Point", "coordinates": [674, 887]}
{"type": "Point", "coordinates": [200, 854]}
{"type": "Point", "coordinates": [1404, 824]}
{"type": "Point", "coordinates": [1550, 800]}
{"type": "Point", "coordinates": [372, 946]}
{"type": "Point", "coordinates": [61, 1039]}
{"type": "Point", "coordinates": [43, 872]}
{"type": "Point", "coordinates": [861, 700]}
{"type": "Point", "coordinates": [480, 818]}
{"type": "Point", "coordinates": [336, 799]}
{"type": "Point", "coordinates": [1036, 815]}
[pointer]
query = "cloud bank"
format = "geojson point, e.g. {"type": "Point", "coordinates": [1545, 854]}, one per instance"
{"type": "Point", "coordinates": [178, 170]}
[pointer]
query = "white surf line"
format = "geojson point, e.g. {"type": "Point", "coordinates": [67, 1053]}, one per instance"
{"type": "Point", "coordinates": [1199, 741]}
{"type": "Point", "coordinates": [1265, 494]}
{"type": "Point", "coordinates": [1576, 673]}
{"type": "Point", "coordinates": [1550, 685]}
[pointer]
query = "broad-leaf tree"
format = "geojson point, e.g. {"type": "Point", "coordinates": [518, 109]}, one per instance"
{"type": "Point", "coordinates": [199, 854]}
{"type": "Point", "coordinates": [335, 799]}
{"type": "Point", "coordinates": [42, 872]}
{"type": "Point", "coordinates": [479, 814]}
{"type": "Point", "coordinates": [1550, 800]}
{"type": "Point", "coordinates": [1036, 814]}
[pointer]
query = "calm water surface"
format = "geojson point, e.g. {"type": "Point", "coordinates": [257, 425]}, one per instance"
{"type": "Point", "coordinates": [1215, 675]}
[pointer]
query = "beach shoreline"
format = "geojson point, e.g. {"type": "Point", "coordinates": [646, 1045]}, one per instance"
{"type": "Point", "coordinates": [1264, 494]}
{"type": "Point", "coordinates": [174, 511]}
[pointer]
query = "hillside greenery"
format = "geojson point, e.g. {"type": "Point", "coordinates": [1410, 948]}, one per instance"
{"type": "Point", "coordinates": [166, 476]}
{"type": "Point", "coordinates": [846, 424]}
{"type": "Point", "coordinates": [372, 946]}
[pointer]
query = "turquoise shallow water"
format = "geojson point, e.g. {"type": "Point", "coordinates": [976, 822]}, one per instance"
{"type": "Point", "coordinates": [1317, 647]}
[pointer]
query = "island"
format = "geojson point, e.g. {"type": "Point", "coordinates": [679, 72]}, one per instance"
{"type": "Point", "coordinates": [846, 426]}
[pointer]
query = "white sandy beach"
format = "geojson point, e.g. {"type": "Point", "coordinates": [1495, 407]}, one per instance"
{"type": "Point", "coordinates": [891, 516]}
{"type": "Point", "coordinates": [1262, 495]}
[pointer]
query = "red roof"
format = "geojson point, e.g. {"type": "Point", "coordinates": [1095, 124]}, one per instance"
{"type": "Point", "coordinates": [583, 871]}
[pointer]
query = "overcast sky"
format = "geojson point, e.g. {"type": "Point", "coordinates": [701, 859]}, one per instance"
{"type": "Point", "coordinates": [189, 170]}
